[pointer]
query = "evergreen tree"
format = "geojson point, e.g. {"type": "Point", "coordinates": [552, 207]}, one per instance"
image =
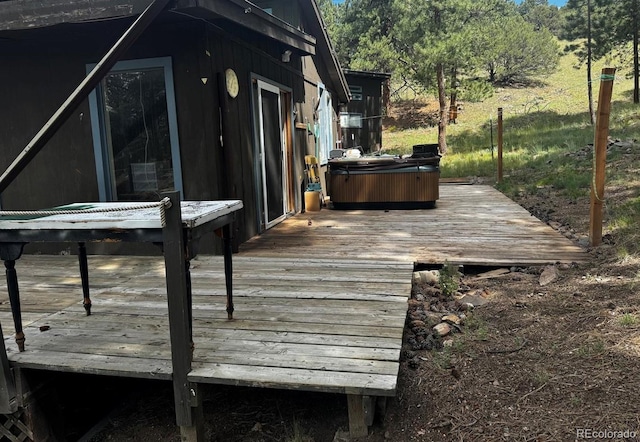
{"type": "Point", "coordinates": [623, 28]}
{"type": "Point", "coordinates": [542, 15]}
{"type": "Point", "coordinates": [579, 27]}
{"type": "Point", "coordinates": [435, 40]}
{"type": "Point", "coordinates": [512, 50]}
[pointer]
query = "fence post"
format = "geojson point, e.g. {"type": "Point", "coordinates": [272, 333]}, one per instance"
{"type": "Point", "coordinates": [499, 145]}
{"type": "Point", "coordinates": [600, 155]}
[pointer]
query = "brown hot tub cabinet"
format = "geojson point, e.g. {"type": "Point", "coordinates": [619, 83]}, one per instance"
{"type": "Point", "coordinates": [384, 182]}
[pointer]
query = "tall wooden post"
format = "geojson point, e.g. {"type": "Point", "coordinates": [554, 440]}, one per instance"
{"type": "Point", "coordinates": [186, 396]}
{"type": "Point", "coordinates": [600, 155]}
{"type": "Point", "coordinates": [499, 145]}
{"type": "Point", "coordinates": [7, 382]}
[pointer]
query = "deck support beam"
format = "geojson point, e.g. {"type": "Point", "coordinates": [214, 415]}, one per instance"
{"type": "Point", "coordinates": [195, 432]}
{"type": "Point", "coordinates": [187, 401]}
{"type": "Point", "coordinates": [361, 414]}
{"type": "Point", "coordinates": [8, 403]}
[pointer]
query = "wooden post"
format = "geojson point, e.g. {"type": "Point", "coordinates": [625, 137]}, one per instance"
{"type": "Point", "coordinates": [600, 155]}
{"type": "Point", "coordinates": [7, 382]}
{"type": "Point", "coordinates": [499, 145]}
{"type": "Point", "coordinates": [187, 402]}
{"type": "Point", "coordinates": [357, 418]}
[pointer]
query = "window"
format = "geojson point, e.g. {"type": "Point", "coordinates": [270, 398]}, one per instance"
{"type": "Point", "coordinates": [350, 120]}
{"type": "Point", "coordinates": [356, 92]}
{"type": "Point", "coordinates": [135, 131]}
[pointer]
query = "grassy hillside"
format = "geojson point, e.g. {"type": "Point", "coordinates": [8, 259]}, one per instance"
{"type": "Point", "coordinates": [546, 137]}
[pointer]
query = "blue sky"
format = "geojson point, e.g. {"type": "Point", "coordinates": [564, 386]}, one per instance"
{"type": "Point", "coordinates": [551, 2]}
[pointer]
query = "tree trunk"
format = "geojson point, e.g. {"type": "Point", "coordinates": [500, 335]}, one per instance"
{"type": "Point", "coordinates": [444, 116]}
{"type": "Point", "coordinates": [386, 97]}
{"type": "Point", "coordinates": [636, 67]}
{"type": "Point", "coordinates": [453, 106]}
{"type": "Point", "coordinates": [592, 112]}
{"type": "Point", "coordinates": [492, 73]}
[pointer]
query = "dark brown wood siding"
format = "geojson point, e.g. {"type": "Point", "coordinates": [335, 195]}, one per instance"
{"type": "Point", "coordinates": [40, 70]}
{"type": "Point", "coordinates": [369, 105]}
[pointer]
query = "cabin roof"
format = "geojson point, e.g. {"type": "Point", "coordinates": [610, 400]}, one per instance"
{"type": "Point", "coordinates": [367, 74]}
{"type": "Point", "coordinates": [325, 49]}
{"type": "Point", "coordinates": [17, 15]}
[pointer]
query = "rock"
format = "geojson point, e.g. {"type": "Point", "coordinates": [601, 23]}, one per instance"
{"type": "Point", "coordinates": [476, 299]}
{"type": "Point", "coordinates": [341, 436]}
{"type": "Point", "coordinates": [548, 275]}
{"type": "Point", "coordinates": [555, 225]}
{"type": "Point", "coordinates": [452, 306]}
{"type": "Point", "coordinates": [465, 306]}
{"type": "Point", "coordinates": [416, 316]}
{"type": "Point", "coordinates": [414, 303]}
{"type": "Point", "coordinates": [452, 319]}
{"type": "Point", "coordinates": [429, 277]}
{"type": "Point", "coordinates": [418, 324]}
{"type": "Point", "coordinates": [433, 317]}
{"type": "Point", "coordinates": [442, 329]}
{"type": "Point", "coordinates": [413, 343]}
{"type": "Point", "coordinates": [447, 343]}
{"type": "Point", "coordinates": [408, 354]}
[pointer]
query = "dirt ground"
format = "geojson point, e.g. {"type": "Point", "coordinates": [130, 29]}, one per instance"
{"type": "Point", "coordinates": [556, 362]}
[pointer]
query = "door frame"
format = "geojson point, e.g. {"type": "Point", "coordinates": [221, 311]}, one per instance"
{"type": "Point", "coordinates": [287, 152]}
{"type": "Point", "coordinates": [106, 189]}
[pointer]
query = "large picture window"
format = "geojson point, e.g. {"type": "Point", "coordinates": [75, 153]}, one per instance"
{"type": "Point", "coordinates": [135, 131]}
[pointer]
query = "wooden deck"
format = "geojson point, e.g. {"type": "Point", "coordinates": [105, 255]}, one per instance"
{"type": "Point", "coordinates": [320, 300]}
{"type": "Point", "coordinates": [300, 323]}
{"type": "Point", "coordinates": [471, 225]}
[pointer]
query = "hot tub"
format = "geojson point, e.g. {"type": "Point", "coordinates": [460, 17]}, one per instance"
{"type": "Point", "coordinates": [384, 182]}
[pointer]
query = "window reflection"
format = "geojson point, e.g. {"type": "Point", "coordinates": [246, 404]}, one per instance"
{"type": "Point", "coordinates": [137, 134]}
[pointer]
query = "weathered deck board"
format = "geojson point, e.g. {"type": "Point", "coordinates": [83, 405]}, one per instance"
{"type": "Point", "coordinates": [300, 323]}
{"type": "Point", "coordinates": [471, 225]}
{"type": "Point", "coordinates": [320, 299]}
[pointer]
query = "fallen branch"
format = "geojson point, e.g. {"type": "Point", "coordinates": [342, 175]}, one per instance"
{"type": "Point", "coordinates": [442, 424]}
{"type": "Point", "coordinates": [533, 391]}
{"type": "Point", "coordinates": [539, 388]}
{"type": "Point", "coordinates": [510, 350]}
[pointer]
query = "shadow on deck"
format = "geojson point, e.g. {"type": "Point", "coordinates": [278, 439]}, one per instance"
{"type": "Point", "coordinates": [471, 225]}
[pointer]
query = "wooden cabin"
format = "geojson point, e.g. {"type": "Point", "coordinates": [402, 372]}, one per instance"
{"type": "Point", "coordinates": [219, 99]}
{"type": "Point", "coordinates": [361, 118]}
